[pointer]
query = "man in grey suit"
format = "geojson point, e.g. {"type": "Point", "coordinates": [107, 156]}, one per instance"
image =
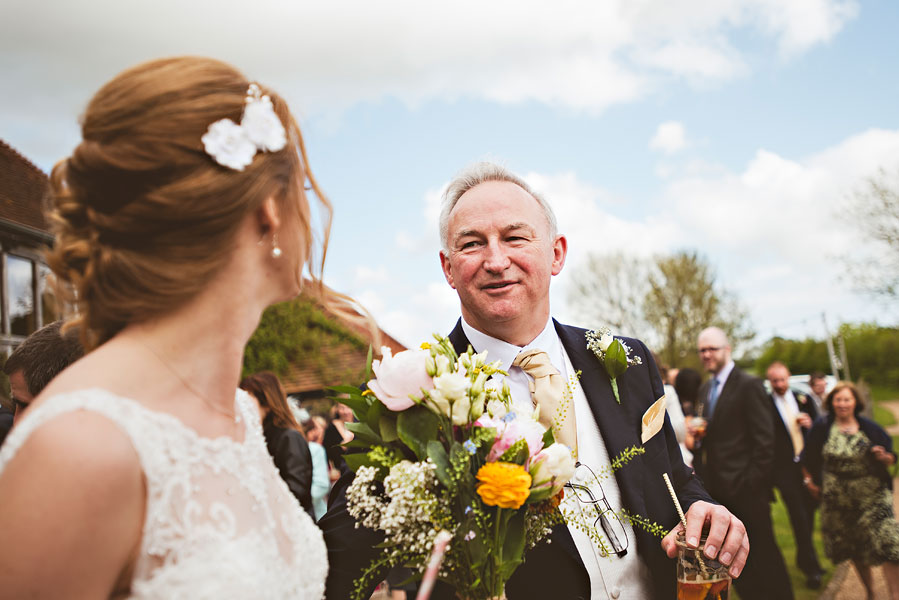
{"type": "Point", "coordinates": [737, 458]}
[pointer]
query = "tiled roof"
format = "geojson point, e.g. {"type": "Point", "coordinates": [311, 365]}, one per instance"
{"type": "Point", "coordinates": [23, 188]}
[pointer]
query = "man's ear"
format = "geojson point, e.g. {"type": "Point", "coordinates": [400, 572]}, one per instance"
{"type": "Point", "coordinates": [268, 216]}
{"type": "Point", "coordinates": [447, 269]}
{"type": "Point", "coordinates": [560, 251]}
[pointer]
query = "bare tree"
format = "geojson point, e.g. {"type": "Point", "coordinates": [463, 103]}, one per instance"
{"type": "Point", "coordinates": [608, 289]}
{"type": "Point", "coordinates": [875, 209]}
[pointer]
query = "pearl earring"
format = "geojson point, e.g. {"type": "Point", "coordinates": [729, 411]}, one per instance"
{"type": "Point", "coordinates": [276, 250]}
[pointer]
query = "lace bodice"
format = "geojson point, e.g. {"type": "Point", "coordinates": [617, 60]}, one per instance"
{"type": "Point", "coordinates": [220, 522]}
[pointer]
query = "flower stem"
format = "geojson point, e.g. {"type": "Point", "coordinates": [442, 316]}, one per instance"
{"type": "Point", "coordinates": [497, 553]}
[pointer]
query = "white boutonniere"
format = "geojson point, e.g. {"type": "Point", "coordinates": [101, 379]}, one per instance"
{"type": "Point", "coordinates": [614, 354]}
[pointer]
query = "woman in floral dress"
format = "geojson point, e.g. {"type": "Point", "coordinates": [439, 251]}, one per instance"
{"type": "Point", "coordinates": [847, 456]}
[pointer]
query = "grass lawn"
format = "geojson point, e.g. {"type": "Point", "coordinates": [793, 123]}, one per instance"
{"type": "Point", "coordinates": [884, 416]}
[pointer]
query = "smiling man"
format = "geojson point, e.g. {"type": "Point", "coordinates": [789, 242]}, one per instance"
{"type": "Point", "coordinates": [501, 249]}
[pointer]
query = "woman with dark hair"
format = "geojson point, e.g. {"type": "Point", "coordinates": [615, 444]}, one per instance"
{"type": "Point", "coordinates": [285, 443]}
{"type": "Point", "coordinates": [141, 471]}
{"type": "Point", "coordinates": [687, 384]}
{"type": "Point", "coordinates": [847, 457]}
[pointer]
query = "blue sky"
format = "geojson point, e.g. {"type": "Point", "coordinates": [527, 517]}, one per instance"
{"type": "Point", "coordinates": [738, 128]}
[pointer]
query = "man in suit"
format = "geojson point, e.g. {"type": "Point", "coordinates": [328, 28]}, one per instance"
{"type": "Point", "coordinates": [793, 415]}
{"type": "Point", "coordinates": [737, 457]}
{"type": "Point", "coordinates": [500, 252]}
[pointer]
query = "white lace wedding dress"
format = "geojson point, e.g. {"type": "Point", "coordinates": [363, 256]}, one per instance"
{"type": "Point", "coordinates": [220, 522]}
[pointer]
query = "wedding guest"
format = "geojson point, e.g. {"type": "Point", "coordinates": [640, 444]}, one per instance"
{"type": "Point", "coordinates": [37, 360]}
{"type": "Point", "coordinates": [687, 384]}
{"type": "Point", "coordinates": [283, 438]}
{"type": "Point", "coordinates": [675, 413]}
{"type": "Point", "coordinates": [793, 415]}
{"type": "Point", "coordinates": [337, 434]}
{"type": "Point", "coordinates": [6, 421]}
{"type": "Point", "coordinates": [141, 471]}
{"type": "Point", "coordinates": [817, 383]}
{"type": "Point", "coordinates": [500, 251]}
{"type": "Point", "coordinates": [321, 479]}
{"type": "Point", "coordinates": [847, 456]}
{"type": "Point", "coordinates": [737, 454]}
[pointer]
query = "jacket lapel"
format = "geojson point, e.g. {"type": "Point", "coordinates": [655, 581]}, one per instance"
{"type": "Point", "coordinates": [615, 420]}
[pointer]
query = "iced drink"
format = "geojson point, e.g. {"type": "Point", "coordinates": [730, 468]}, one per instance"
{"type": "Point", "coordinates": [699, 578]}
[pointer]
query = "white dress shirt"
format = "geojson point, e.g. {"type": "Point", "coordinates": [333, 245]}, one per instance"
{"type": "Point", "coordinates": [611, 577]}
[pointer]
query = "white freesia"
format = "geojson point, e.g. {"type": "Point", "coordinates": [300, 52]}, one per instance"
{"type": "Point", "coordinates": [497, 408]}
{"type": "Point", "coordinates": [453, 386]}
{"type": "Point", "coordinates": [443, 364]}
{"type": "Point", "coordinates": [460, 410]}
{"type": "Point", "coordinates": [228, 144]}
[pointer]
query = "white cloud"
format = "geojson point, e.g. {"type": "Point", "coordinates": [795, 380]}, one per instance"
{"type": "Point", "coordinates": [670, 137]}
{"type": "Point", "coordinates": [366, 275]}
{"type": "Point", "coordinates": [568, 54]}
{"type": "Point", "coordinates": [778, 230]}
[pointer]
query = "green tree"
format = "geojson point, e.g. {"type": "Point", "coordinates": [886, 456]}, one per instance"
{"type": "Point", "coordinates": [683, 300]}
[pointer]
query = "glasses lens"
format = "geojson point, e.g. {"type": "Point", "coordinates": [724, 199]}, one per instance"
{"type": "Point", "coordinates": [614, 532]}
{"type": "Point", "coordinates": [583, 495]}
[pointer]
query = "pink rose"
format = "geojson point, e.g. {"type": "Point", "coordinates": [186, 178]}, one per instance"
{"type": "Point", "coordinates": [509, 429]}
{"type": "Point", "coordinates": [400, 379]}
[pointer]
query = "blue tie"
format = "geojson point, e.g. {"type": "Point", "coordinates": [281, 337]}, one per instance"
{"type": "Point", "coordinates": [713, 397]}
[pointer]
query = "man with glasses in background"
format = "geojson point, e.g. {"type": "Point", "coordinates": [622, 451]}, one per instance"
{"type": "Point", "coordinates": [41, 357]}
{"type": "Point", "coordinates": [500, 251]}
{"type": "Point", "coordinates": [737, 458]}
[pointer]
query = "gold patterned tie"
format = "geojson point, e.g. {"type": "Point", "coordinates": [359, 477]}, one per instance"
{"type": "Point", "coordinates": [548, 392]}
{"type": "Point", "coordinates": [793, 426]}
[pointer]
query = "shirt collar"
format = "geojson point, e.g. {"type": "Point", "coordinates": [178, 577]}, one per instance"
{"type": "Point", "coordinates": [547, 340]}
{"type": "Point", "coordinates": [724, 373]}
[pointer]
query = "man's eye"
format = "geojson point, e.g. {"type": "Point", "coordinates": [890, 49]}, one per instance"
{"type": "Point", "coordinates": [469, 245]}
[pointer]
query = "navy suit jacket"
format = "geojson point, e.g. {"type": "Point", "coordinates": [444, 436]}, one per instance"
{"type": "Point", "coordinates": [555, 570]}
{"type": "Point", "coordinates": [783, 442]}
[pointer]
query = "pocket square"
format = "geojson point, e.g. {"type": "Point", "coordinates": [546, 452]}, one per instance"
{"type": "Point", "coordinates": [653, 419]}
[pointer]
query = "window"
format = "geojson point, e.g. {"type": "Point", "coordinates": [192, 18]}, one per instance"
{"type": "Point", "coordinates": [20, 300]}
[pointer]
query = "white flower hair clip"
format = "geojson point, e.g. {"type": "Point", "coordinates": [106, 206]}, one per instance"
{"type": "Point", "coordinates": [233, 145]}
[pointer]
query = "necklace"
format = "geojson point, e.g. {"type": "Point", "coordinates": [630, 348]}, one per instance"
{"type": "Point", "coordinates": [230, 414]}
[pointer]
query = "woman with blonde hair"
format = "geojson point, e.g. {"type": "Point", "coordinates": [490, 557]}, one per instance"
{"type": "Point", "coordinates": [141, 471]}
{"type": "Point", "coordinates": [283, 435]}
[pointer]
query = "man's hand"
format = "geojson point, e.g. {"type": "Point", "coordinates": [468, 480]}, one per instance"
{"type": "Point", "coordinates": [804, 420]}
{"type": "Point", "coordinates": [727, 539]}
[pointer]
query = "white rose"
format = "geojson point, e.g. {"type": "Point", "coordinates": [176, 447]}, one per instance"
{"type": "Point", "coordinates": [553, 466]}
{"type": "Point", "coordinates": [262, 125]}
{"type": "Point", "coordinates": [453, 386]}
{"type": "Point", "coordinates": [605, 340]}
{"type": "Point", "coordinates": [438, 403]}
{"type": "Point", "coordinates": [228, 144]}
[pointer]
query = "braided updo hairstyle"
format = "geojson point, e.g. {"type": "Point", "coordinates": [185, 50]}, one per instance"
{"type": "Point", "coordinates": [144, 218]}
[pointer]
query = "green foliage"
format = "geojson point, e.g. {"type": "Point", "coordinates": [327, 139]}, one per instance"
{"type": "Point", "coordinates": [871, 351]}
{"type": "Point", "coordinates": [683, 300]}
{"type": "Point", "coordinates": [296, 331]}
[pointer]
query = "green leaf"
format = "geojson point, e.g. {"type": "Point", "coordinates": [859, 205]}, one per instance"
{"type": "Point", "coordinates": [364, 432]}
{"type": "Point", "coordinates": [616, 359]}
{"type": "Point", "coordinates": [416, 426]}
{"type": "Point", "coordinates": [517, 453]}
{"type": "Point", "coordinates": [387, 426]}
{"type": "Point", "coordinates": [437, 453]}
{"type": "Point", "coordinates": [360, 459]}
{"type": "Point", "coordinates": [539, 495]}
{"type": "Point", "coordinates": [548, 438]}
{"type": "Point", "coordinates": [359, 405]}
{"type": "Point", "coordinates": [368, 363]}
{"type": "Point", "coordinates": [373, 415]}
{"type": "Point", "coordinates": [513, 544]}
{"type": "Point", "coordinates": [352, 390]}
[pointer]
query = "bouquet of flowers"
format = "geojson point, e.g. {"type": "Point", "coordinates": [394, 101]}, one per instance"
{"type": "Point", "coordinates": [441, 448]}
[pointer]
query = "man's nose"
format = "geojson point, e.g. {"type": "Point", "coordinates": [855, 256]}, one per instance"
{"type": "Point", "coordinates": [496, 259]}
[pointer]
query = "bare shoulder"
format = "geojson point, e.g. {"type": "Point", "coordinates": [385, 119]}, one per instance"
{"type": "Point", "coordinates": [75, 479]}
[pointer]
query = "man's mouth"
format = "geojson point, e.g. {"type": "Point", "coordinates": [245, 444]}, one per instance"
{"type": "Point", "coordinates": [498, 285]}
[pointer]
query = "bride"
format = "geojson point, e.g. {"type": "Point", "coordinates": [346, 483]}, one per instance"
{"type": "Point", "coordinates": [140, 471]}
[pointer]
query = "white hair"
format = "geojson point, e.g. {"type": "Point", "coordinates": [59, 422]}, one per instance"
{"type": "Point", "coordinates": [479, 173]}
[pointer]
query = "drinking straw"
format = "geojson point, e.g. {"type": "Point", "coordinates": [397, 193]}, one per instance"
{"type": "Point", "coordinates": [683, 520]}
{"type": "Point", "coordinates": [430, 576]}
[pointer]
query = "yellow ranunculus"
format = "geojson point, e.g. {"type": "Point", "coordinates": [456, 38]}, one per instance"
{"type": "Point", "coordinates": [503, 484]}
